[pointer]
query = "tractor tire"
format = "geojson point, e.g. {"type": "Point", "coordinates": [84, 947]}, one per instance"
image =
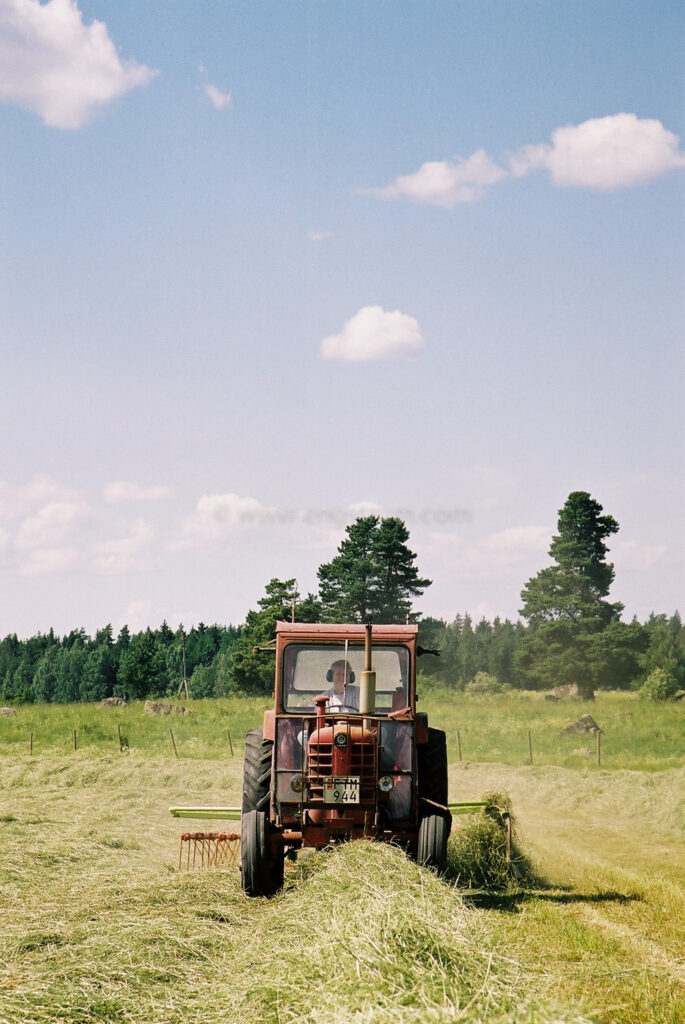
{"type": "Point", "coordinates": [256, 772]}
{"type": "Point", "coordinates": [259, 875]}
{"type": "Point", "coordinates": [432, 849]}
{"type": "Point", "coordinates": [432, 767]}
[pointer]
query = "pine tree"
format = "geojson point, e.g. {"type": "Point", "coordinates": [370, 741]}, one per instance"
{"type": "Point", "coordinates": [372, 574]}
{"type": "Point", "coordinates": [566, 605]}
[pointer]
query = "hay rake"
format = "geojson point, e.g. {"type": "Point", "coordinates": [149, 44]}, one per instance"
{"type": "Point", "coordinates": [208, 850]}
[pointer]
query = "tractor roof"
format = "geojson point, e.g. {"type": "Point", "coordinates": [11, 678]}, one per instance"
{"type": "Point", "coordinates": [347, 630]}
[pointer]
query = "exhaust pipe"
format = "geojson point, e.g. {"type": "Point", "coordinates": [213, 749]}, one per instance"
{"type": "Point", "coordinates": [367, 684]}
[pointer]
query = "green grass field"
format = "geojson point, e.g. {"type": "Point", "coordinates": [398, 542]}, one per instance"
{"type": "Point", "coordinates": [99, 925]}
{"type": "Point", "coordinates": [642, 735]}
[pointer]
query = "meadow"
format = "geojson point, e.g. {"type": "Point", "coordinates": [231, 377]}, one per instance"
{"type": "Point", "coordinates": [636, 734]}
{"type": "Point", "coordinates": [99, 924]}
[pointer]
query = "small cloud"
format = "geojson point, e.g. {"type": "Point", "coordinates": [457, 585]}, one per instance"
{"type": "Point", "coordinates": [233, 509]}
{"type": "Point", "coordinates": [520, 540]}
{"type": "Point", "coordinates": [122, 490]}
{"type": "Point", "coordinates": [319, 236]}
{"type": "Point", "coordinates": [633, 557]}
{"type": "Point", "coordinates": [365, 508]}
{"type": "Point", "coordinates": [219, 100]}
{"type": "Point", "coordinates": [442, 183]}
{"type": "Point", "coordinates": [373, 333]}
{"type": "Point", "coordinates": [52, 524]}
{"type": "Point", "coordinates": [54, 65]}
{"type": "Point", "coordinates": [604, 153]}
{"type": "Point", "coordinates": [138, 615]}
{"type": "Point", "coordinates": [216, 513]}
{"type": "Point", "coordinates": [47, 561]}
{"type": "Point", "coordinates": [125, 554]}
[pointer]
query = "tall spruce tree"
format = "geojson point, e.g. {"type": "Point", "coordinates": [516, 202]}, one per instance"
{"type": "Point", "coordinates": [372, 574]}
{"type": "Point", "coordinates": [566, 605]}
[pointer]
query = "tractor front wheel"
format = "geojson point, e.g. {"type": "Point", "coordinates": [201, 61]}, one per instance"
{"type": "Point", "coordinates": [261, 875]}
{"type": "Point", "coordinates": [256, 772]}
{"type": "Point", "coordinates": [432, 850]}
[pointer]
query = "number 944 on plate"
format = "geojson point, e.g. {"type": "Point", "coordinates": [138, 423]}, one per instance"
{"type": "Point", "coordinates": [343, 789]}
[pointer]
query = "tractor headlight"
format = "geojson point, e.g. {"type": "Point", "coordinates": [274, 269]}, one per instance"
{"type": "Point", "coordinates": [341, 739]}
{"type": "Point", "coordinates": [297, 783]}
{"type": "Point", "coordinates": [386, 783]}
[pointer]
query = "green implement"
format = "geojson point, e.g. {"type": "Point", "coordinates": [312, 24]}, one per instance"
{"type": "Point", "coordinates": [468, 806]}
{"type": "Point", "coordinates": [233, 813]}
{"type": "Point", "coordinates": [229, 813]}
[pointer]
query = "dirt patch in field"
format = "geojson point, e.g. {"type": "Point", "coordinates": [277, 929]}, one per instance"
{"type": "Point", "coordinates": [7, 711]}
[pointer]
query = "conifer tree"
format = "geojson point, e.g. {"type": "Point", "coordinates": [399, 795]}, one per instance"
{"type": "Point", "coordinates": [565, 603]}
{"type": "Point", "coordinates": [372, 574]}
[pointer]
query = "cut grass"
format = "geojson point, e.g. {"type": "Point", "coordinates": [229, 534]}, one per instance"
{"type": "Point", "coordinates": [103, 931]}
{"type": "Point", "coordinates": [98, 925]}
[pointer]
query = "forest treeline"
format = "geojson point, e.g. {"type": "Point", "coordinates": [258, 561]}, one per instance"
{"type": "Point", "coordinates": [78, 667]}
{"type": "Point", "coordinates": [572, 633]}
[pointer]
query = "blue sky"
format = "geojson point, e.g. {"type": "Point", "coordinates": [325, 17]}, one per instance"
{"type": "Point", "coordinates": [267, 265]}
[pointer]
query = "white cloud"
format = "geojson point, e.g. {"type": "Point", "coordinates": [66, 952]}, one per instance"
{"type": "Point", "coordinates": [47, 561]}
{"type": "Point", "coordinates": [365, 508]}
{"type": "Point", "coordinates": [318, 236]}
{"type": "Point", "coordinates": [52, 524]}
{"type": "Point", "coordinates": [630, 556]}
{"type": "Point", "coordinates": [216, 514]}
{"type": "Point", "coordinates": [139, 615]}
{"type": "Point", "coordinates": [518, 549]}
{"type": "Point", "coordinates": [122, 490]}
{"type": "Point", "coordinates": [233, 509]}
{"type": "Point", "coordinates": [441, 183]}
{"type": "Point", "coordinates": [520, 540]}
{"type": "Point", "coordinates": [125, 554]}
{"type": "Point", "coordinates": [219, 100]}
{"type": "Point", "coordinates": [373, 333]}
{"type": "Point", "coordinates": [604, 153]}
{"type": "Point", "coordinates": [56, 66]}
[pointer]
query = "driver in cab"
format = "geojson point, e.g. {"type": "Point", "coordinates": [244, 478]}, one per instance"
{"type": "Point", "coordinates": [342, 695]}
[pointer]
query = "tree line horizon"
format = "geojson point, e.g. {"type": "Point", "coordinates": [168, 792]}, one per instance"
{"type": "Point", "coordinates": [572, 635]}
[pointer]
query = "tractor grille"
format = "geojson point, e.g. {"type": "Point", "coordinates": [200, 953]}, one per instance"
{"type": "Point", "coordinates": [362, 763]}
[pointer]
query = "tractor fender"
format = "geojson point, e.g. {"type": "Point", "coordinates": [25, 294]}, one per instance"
{"type": "Point", "coordinates": [269, 727]}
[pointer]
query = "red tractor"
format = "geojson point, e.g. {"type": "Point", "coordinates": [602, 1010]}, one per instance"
{"type": "Point", "coordinates": [343, 754]}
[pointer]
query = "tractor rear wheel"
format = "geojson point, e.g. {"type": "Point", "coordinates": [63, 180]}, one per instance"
{"type": "Point", "coordinates": [432, 767]}
{"type": "Point", "coordinates": [256, 772]}
{"type": "Point", "coordinates": [432, 850]}
{"type": "Point", "coordinates": [260, 874]}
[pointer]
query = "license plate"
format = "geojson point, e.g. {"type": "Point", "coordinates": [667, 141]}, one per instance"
{"type": "Point", "coordinates": [341, 790]}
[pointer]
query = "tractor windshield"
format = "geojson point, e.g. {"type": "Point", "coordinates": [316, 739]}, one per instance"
{"type": "Point", "coordinates": [335, 669]}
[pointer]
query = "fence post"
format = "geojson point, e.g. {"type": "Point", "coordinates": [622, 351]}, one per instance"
{"type": "Point", "coordinates": [173, 742]}
{"type": "Point", "coordinates": [459, 744]}
{"type": "Point", "coordinates": [31, 745]}
{"type": "Point", "coordinates": [119, 735]}
{"type": "Point", "coordinates": [230, 743]}
{"type": "Point", "coordinates": [598, 744]}
{"type": "Point", "coordinates": [530, 747]}
{"type": "Point", "coordinates": [75, 743]}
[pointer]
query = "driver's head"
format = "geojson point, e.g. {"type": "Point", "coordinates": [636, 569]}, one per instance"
{"type": "Point", "coordinates": [340, 671]}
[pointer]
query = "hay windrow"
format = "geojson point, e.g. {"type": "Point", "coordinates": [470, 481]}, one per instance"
{"type": "Point", "coordinates": [100, 926]}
